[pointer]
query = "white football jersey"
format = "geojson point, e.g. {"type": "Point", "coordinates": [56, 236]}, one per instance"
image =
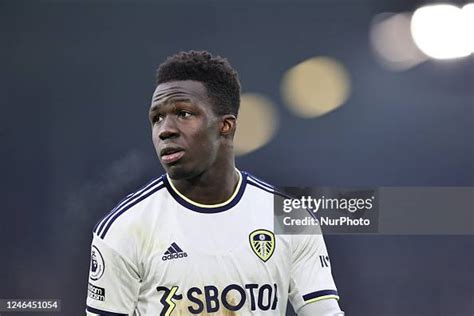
{"type": "Point", "coordinates": [159, 253]}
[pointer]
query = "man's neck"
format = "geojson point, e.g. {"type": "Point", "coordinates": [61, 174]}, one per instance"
{"type": "Point", "coordinates": [212, 187]}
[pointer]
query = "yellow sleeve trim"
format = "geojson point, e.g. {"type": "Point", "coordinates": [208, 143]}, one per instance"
{"type": "Point", "coordinates": [325, 297]}
{"type": "Point", "coordinates": [209, 205]}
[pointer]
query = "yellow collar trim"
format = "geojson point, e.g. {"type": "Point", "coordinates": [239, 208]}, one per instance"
{"type": "Point", "coordinates": [239, 183]}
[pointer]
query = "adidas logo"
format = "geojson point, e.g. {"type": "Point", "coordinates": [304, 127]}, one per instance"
{"type": "Point", "coordinates": [173, 252]}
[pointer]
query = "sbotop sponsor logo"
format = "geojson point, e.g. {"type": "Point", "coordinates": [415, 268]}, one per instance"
{"type": "Point", "coordinates": [211, 299]}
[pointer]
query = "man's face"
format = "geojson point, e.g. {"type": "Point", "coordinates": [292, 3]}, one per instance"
{"type": "Point", "coordinates": [185, 128]}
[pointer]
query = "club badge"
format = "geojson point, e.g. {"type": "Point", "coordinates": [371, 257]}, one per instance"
{"type": "Point", "coordinates": [262, 242]}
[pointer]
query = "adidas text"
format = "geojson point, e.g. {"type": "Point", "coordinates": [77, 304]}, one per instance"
{"type": "Point", "coordinates": [174, 256]}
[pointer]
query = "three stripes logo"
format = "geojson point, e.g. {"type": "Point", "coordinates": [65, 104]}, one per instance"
{"type": "Point", "coordinates": [173, 252]}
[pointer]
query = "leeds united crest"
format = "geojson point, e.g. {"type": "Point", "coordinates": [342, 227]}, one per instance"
{"type": "Point", "coordinates": [262, 242]}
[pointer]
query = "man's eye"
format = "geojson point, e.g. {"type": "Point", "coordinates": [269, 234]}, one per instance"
{"type": "Point", "coordinates": [184, 114]}
{"type": "Point", "coordinates": [157, 118]}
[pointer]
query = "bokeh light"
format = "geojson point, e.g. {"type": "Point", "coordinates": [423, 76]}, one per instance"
{"type": "Point", "coordinates": [256, 124]}
{"type": "Point", "coordinates": [391, 40]}
{"type": "Point", "coordinates": [315, 87]}
{"type": "Point", "coordinates": [441, 31]}
{"type": "Point", "coordinates": [468, 15]}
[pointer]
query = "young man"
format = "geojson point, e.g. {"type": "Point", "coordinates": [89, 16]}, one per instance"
{"type": "Point", "coordinates": [199, 239]}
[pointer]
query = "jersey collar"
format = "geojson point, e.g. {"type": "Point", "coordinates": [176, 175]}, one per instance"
{"type": "Point", "coordinates": [208, 208]}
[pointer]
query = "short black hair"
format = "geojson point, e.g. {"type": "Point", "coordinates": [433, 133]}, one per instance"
{"type": "Point", "coordinates": [217, 75]}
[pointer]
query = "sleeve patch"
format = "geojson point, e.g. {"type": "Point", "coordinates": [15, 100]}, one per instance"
{"type": "Point", "coordinates": [95, 292]}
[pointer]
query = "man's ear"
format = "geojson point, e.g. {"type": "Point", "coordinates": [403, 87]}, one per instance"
{"type": "Point", "coordinates": [228, 125]}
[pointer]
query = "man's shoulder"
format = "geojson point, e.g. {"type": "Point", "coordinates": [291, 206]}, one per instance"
{"type": "Point", "coordinates": [262, 186]}
{"type": "Point", "coordinates": [127, 206]}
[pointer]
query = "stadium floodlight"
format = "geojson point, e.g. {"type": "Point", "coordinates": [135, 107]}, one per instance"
{"type": "Point", "coordinates": [441, 31]}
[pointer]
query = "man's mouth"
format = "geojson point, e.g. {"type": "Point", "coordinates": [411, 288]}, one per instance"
{"type": "Point", "coordinates": [171, 154]}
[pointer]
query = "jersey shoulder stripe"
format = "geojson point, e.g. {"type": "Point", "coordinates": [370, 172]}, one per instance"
{"type": "Point", "coordinates": [261, 182]}
{"type": "Point", "coordinates": [266, 187]}
{"type": "Point", "coordinates": [125, 208]}
{"type": "Point", "coordinates": [100, 224]}
{"type": "Point", "coordinates": [130, 200]}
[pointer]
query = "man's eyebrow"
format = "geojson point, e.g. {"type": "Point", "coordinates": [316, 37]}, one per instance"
{"type": "Point", "coordinates": [172, 100]}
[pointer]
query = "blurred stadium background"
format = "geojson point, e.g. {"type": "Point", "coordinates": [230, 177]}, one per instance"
{"type": "Point", "coordinates": [336, 93]}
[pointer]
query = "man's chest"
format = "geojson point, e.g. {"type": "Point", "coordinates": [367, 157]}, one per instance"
{"type": "Point", "coordinates": [247, 255]}
{"type": "Point", "coordinates": [232, 268]}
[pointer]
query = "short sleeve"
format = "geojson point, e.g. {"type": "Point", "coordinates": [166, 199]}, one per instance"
{"type": "Point", "coordinates": [311, 278]}
{"type": "Point", "coordinates": [114, 281]}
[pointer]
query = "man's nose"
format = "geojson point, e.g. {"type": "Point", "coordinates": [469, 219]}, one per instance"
{"type": "Point", "coordinates": [168, 128]}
